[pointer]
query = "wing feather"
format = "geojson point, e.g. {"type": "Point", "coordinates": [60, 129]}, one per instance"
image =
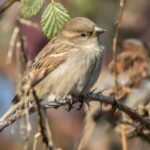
{"type": "Point", "coordinates": [51, 56]}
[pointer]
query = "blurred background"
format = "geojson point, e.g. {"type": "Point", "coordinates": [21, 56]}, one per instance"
{"type": "Point", "coordinates": [66, 127]}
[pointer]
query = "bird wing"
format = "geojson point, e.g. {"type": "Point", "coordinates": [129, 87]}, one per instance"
{"type": "Point", "coordinates": [51, 56]}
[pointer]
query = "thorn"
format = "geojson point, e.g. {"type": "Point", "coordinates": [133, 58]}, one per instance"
{"type": "Point", "coordinates": [88, 104]}
{"type": "Point", "coordinates": [91, 92]}
{"type": "Point", "coordinates": [100, 92]}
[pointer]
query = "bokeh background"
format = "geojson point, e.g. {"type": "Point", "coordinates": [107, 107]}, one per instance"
{"type": "Point", "coordinates": [66, 127]}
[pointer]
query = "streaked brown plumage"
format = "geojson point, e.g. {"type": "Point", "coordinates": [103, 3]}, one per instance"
{"type": "Point", "coordinates": [69, 64]}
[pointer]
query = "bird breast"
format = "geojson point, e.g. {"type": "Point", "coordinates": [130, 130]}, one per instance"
{"type": "Point", "coordinates": [75, 76]}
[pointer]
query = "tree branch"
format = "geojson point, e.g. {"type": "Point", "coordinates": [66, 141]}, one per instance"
{"type": "Point", "coordinates": [116, 104]}
{"type": "Point", "coordinates": [122, 107]}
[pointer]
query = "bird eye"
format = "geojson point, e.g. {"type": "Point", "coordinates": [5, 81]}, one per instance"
{"type": "Point", "coordinates": [85, 35]}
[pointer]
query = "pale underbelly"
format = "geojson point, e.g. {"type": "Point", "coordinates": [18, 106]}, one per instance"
{"type": "Point", "coordinates": [69, 78]}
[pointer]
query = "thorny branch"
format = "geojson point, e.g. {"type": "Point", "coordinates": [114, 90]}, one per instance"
{"type": "Point", "coordinates": [122, 107]}
{"type": "Point", "coordinates": [116, 104]}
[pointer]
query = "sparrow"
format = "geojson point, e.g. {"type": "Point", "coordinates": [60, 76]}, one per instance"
{"type": "Point", "coordinates": [68, 65]}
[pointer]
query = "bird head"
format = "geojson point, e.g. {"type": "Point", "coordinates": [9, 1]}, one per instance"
{"type": "Point", "coordinates": [80, 30]}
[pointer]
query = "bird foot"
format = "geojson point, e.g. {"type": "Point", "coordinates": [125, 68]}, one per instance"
{"type": "Point", "coordinates": [69, 99]}
{"type": "Point", "coordinates": [82, 99]}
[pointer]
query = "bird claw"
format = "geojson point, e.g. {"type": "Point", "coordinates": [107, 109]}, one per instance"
{"type": "Point", "coordinates": [82, 100]}
{"type": "Point", "coordinates": [80, 105]}
{"type": "Point", "coordinates": [69, 107]}
{"type": "Point", "coordinates": [72, 100]}
{"type": "Point", "coordinates": [100, 92]}
{"type": "Point", "coordinates": [69, 98]}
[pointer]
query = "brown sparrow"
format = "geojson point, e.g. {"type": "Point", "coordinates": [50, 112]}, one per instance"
{"type": "Point", "coordinates": [68, 65]}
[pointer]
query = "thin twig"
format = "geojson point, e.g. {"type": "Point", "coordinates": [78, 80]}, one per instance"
{"type": "Point", "coordinates": [37, 136]}
{"type": "Point", "coordinates": [15, 116]}
{"type": "Point", "coordinates": [6, 4]}
{"type": "Point", "coordinates": [12, 44]}
{"type": "Point", "coordinates": [21, 67]}
{"type": "Point", "coordinates": [23, 60]}
{"type": "Point", "coordinates": [115, 39]}
{"type": "Point", "coordinates": [29, 23]}
{"type": "Point", "coordinates": [18, 37]}
{"type": "Point", "coordinates": [41, 125]}
{"type": "Point", "coordinates": [48, 129]}
{"type": "Point", "coordinates": [123, 138]}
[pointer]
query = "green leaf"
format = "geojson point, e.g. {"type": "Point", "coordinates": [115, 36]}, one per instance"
{"type": "Point", "coordinates": [53, 18]}
{"type": "Point", "coordinates": [31, 8]}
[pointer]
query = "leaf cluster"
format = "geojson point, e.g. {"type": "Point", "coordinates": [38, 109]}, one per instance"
{"type": "Point", "coordinates": [52, 19]}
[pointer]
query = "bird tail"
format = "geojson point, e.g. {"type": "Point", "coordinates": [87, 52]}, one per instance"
{"type": "Point", "coordinates": [10, 112]}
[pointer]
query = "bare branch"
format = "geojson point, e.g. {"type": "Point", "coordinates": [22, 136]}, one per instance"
{"type": "Point", "coordinates": [115, 39]}
{"type": "Point", "coordinates": [29, 23]}
{"type": "Point", "coordinates": [116, 104]}
{"type": "Point", "coordinates": [122, 107]}
{"type": "Point", "coordinates": [12, 44]}
{"type": "Point", "coordinates": [46, 139]}
{"type": "Point", "coordinates": [123, 138]}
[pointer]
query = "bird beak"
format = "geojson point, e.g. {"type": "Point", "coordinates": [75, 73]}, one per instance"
{"type": "Point", "coordinates": [98, 30]}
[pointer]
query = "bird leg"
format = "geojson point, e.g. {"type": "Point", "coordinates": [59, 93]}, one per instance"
{"type": "Point", "coordinates": [70, 100]}
{"type": "Point", "coordinates": [80, 100]}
